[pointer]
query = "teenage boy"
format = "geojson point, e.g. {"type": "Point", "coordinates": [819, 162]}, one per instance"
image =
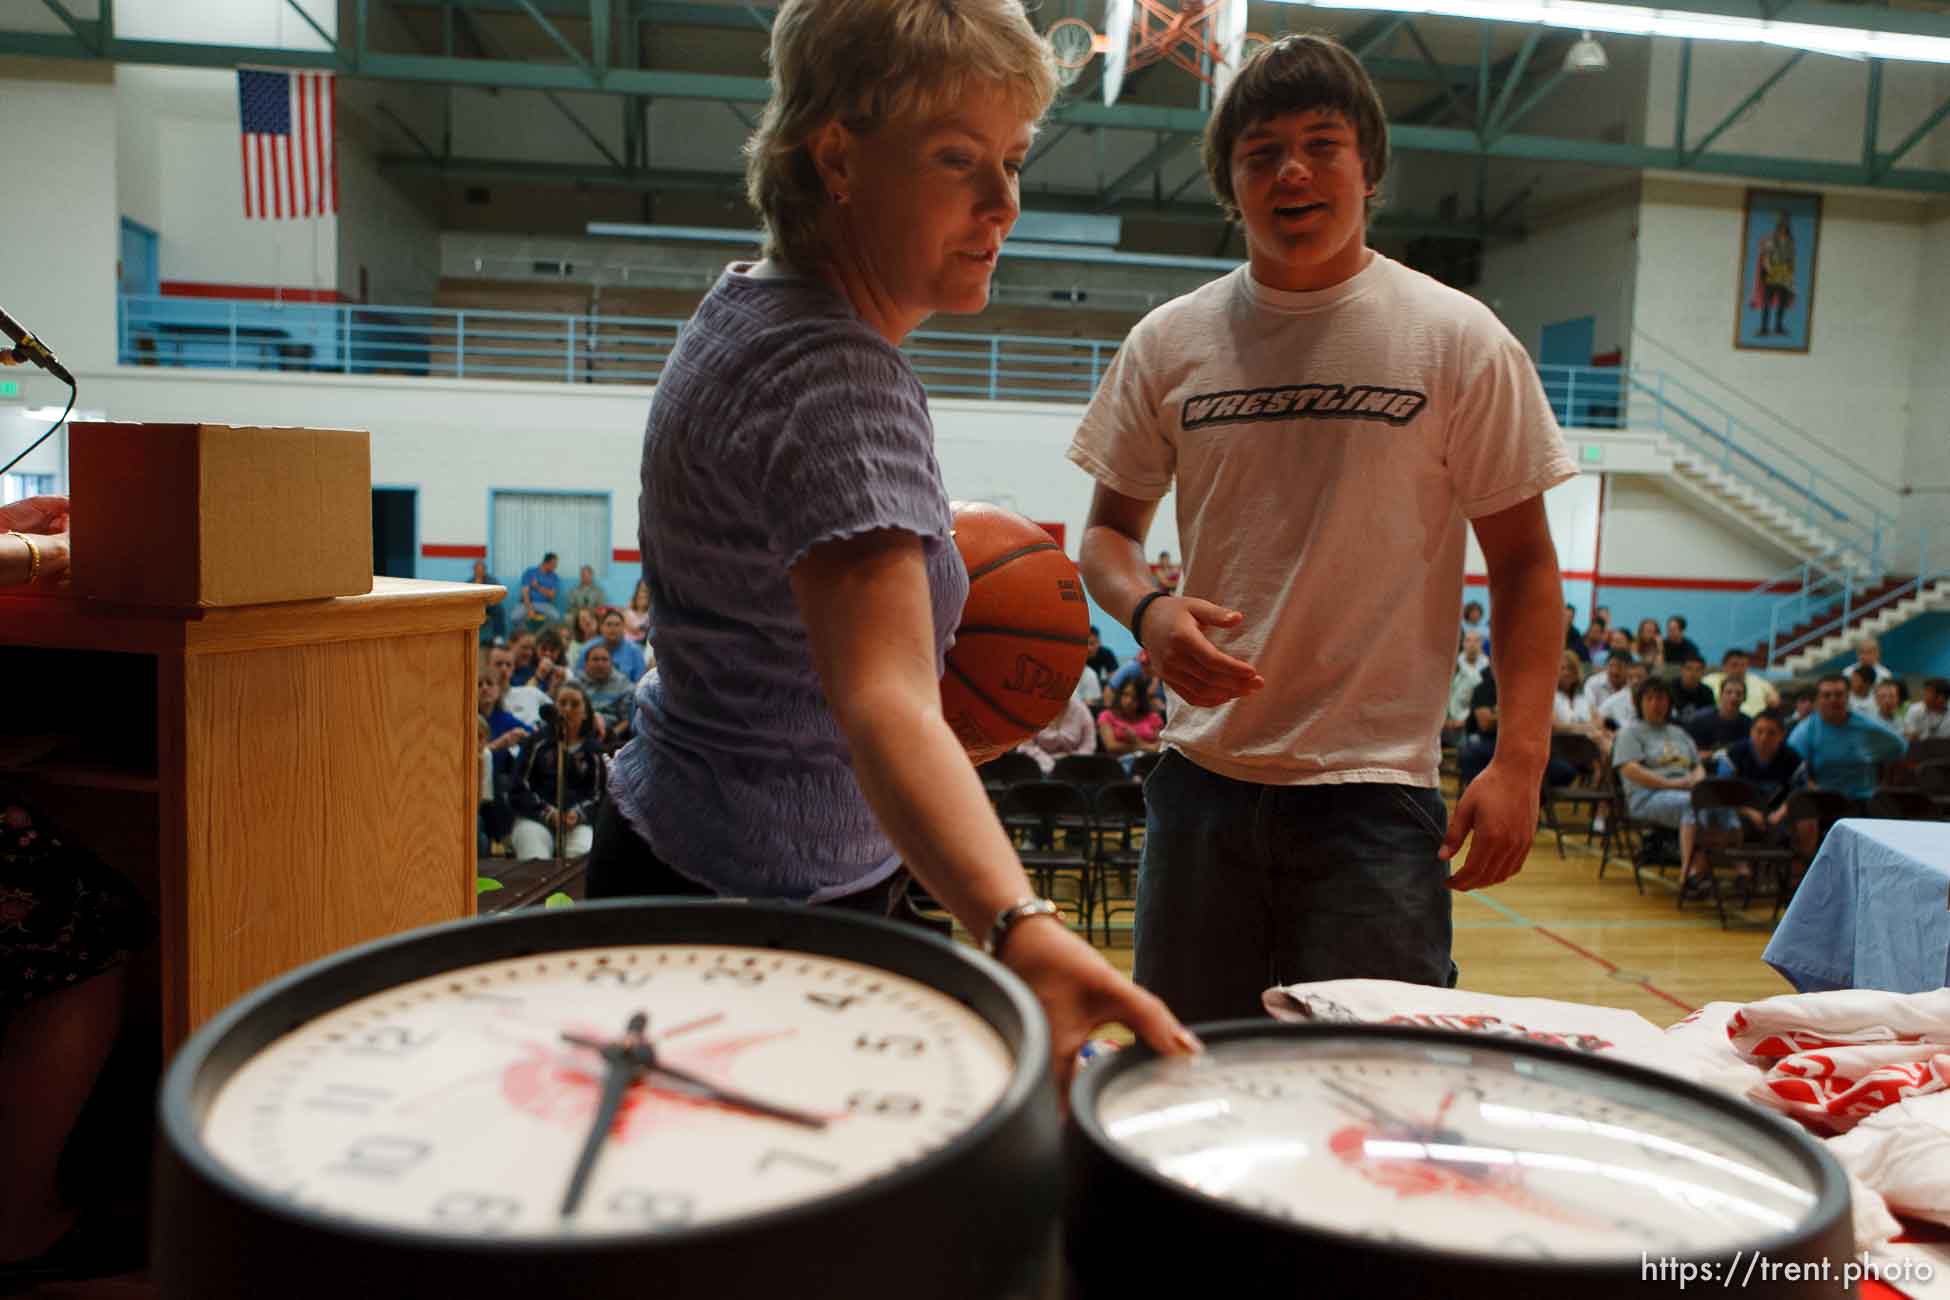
{"type": "Point", "coordinates": [1334, 422]}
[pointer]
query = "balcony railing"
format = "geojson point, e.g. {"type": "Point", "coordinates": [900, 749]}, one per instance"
{"type": "Point", "coordinates": [352, 339]}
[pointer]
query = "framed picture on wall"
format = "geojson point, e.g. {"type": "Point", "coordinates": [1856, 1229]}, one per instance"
{"type": "Point", "coordinates": [1775, 309]}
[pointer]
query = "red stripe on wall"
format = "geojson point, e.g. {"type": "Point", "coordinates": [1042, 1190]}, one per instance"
{"type": "Point", "coordinates": [251, 292]}
{"type": "Point", "coordinates": [432, 552]}
{"type": "Point", "coordinates": [628, 557]}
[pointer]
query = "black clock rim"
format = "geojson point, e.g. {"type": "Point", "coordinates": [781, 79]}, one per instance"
{"type": "Point", "coordinates": [1831, 1198]}
{"type": "Point", "coordinates": [980, 983]}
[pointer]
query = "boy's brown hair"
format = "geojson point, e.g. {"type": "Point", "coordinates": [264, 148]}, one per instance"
{"type": "Point", "coordinates": [1296, 74]}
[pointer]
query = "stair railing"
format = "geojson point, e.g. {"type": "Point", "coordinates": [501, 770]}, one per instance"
{"type": "Point", "coordinates": [1932, 566]}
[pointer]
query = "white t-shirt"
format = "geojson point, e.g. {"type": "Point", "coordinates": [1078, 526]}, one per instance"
{"type": "Point", "coordinates": [1327, 449]}
{"type": "Point", "coordinates": [1598, 689]}
{"type": "Point", "coordinates": [1619, 708]}
{"type": "Point", "coordinates": [1920, 724]}
{"type": "Point", "coordinates": [525, 702]}
{"type": "Point", "coordinates": [1570, 710]}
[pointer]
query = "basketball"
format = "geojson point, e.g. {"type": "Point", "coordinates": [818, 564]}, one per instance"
{"type": "Point", "coordinates": [1022, 641]}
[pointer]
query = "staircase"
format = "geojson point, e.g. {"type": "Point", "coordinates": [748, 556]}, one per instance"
{"type": "Point", "coordinates": [1807, 534]}
{"type": "Point", "coordinates": [1891, 604]}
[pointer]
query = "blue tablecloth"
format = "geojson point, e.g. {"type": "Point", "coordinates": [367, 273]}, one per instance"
{"type": "Point", "coordinates": [1873, 912]}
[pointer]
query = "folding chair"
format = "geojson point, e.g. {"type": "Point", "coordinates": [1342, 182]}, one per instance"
{"type": "Point", "coordinates": [1824, 808]}
{"type": "Point", "coordinates": [1933, 779]}
{"type": "Point", "coordinates": [1713, 837]}
{"type": "Point", "coordinates": [1120, 826]}
{"type": "Point", "coordinates": [1054, 831]}
{"type": "Point", "coordinates": [1619, 826]}
{"type": "Point", "coordinates": [1005, 770]}
{"type": "Point", "coordinates": [1089, 772]}
{"type": "Point", "coordinates": [1904, 806]}
{"type": "Point", "coordinates": [1581, 752]}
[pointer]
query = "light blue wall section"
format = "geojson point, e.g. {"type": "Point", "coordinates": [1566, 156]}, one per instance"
{"type": "Point", "coordinates": [1711, 616]}
{"type": "Point", "coordinates": [1920, 647]}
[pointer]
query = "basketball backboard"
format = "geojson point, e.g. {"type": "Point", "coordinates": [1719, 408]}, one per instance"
{"type": "Point", "coordinates": [1117, 31]}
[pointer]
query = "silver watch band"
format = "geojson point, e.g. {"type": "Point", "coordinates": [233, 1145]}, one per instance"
{"type": "Point", "coordinates": [1010, 917]}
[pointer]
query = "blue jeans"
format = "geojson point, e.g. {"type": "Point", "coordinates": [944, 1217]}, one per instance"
{"type": "Point", "coordinates": [1245, 886]}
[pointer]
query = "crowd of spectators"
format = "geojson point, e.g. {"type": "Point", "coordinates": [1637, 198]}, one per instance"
{"type": "Point", "coordinates": [555, 695]}
{"type": "Point", "coordinates": [1658, 720]}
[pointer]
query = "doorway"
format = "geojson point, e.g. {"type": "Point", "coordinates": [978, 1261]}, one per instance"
{"type": "Point", "coordinates": [395, 532]}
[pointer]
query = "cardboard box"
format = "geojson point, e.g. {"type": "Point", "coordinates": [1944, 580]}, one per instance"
{"type": "Point", "coordinates": [209, 514]}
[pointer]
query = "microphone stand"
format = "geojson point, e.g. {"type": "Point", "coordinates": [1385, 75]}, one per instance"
{"type": "Point", "coordinates": [553, 721]}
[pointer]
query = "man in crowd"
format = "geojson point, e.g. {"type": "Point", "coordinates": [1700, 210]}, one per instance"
{"type": "Point", "coordinates": [1101, 658]}
{"type": "Point", "coordinates": [1764, 762]}
{"type": "Point", "coordinates": [1725, 726]}
{"type": "Point", "coordinates": [1620, 708]}
{"type": "Point", "coordinates": [1803, 704]}
{"type": "Point", "coordinates": [610, 693]}
{"type": "Point", "coordinates": [1862, 688]}
{"type": "Point", "coordinates": [1889, 698]}
{"type": "Point", "coordinates": [1661, 766]}
{"type": "Point", "coordinates": [1844, 751]}
{"type": "Point", "coordinates": [1574, 639]}
{"type": "Point", "coordinates": [1473, 622]}
{"type": "Point", "coordinates": [1680, 648]}
{"type": "Point", "coordinates": [1760, 692]}
{"type": "Point", "coordinates": [1691, 693]}
{"type": "Point", "coordinates": [1929, 717]}
{"type": "Point", "coordinates": [541, 591]}
{"type": "Point", "coordinates": [1478, 745]}
{"type": "Point", "coordinates": [625, 655]}
{"type": "Point", "coordinates": [1868, 653]}
{"type": "Point", "coordinates": [1597, 637]}
{"type": "Point", "coordinates": [1601, 686]}
{"type": "Point", "coordinates": [1471, 664]}
{"type": "Point", "coordinates": [524, 701]}
{"type": "Point", "coordinates": [587, 594]}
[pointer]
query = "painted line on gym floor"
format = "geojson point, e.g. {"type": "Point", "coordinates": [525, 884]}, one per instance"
{"type": "Point", "coordinates": [1702, 923]}
{"type": "Point", "coordinates": [1612, 968]}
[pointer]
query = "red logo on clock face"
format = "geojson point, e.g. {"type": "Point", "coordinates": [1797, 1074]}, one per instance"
{"type": "Point", "coordinates": [562, 1085]}
{"type": "Point", "coordinates": [1408, 1177]}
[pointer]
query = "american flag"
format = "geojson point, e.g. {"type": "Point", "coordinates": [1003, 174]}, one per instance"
{"type": "Point", "coordinates": [290, 162]}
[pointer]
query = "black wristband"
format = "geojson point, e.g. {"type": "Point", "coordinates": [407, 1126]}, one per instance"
{"type": "Point", "coordinates": [1137, 615]}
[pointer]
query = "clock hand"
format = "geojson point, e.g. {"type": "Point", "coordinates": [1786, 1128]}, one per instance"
{"type": "Point", "coordinates": [1380, 1113]}
{"type": "Point", "coordinates": [624, 1069]}
{"type": "Point", "coordinates": [644, 1056]}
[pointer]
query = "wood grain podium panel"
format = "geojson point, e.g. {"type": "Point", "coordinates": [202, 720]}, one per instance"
{"type": "Point", "coordinates": [314, 782]}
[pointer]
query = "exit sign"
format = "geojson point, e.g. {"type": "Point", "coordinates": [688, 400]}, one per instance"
{"type": "Point", "coordinates": [9, 388]}
{"type": "Point", "coordinates": [1594, 453]}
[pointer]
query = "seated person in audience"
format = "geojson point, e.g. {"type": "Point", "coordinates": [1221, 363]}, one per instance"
{"type": "Point", "coordinates": [551, 661]}
{"type": "Point", "coordinates": [1090, 689]}
{"type": "Point", "coordinates": [610, 694]}
{"type": "Point", "coordinates": [1471, 664]}
{"type": "Point", "coordinates": [1764, 762]}
{"type": "Point", "coordinates": [1890, 697]}
{"type": "Point", "coordinates": [1803, 704]}
{"type": "Point", "coordinates": [522, 644]}
{"type": "Point", "coordinates": [1597, 639]}
{"type": "Point", "coordinates": [1167, 573]}
{"type": "Point", "coordinates": [636, 619]}
{"type": "Point", "coordinates": [1131, 725]}
{"type": "Point", "coordinates": [504, 729]}
{"type": "Point", "coordinates": [1760, 692]}
{"type": "Point", "coordinates": [1603, 614]}
{"type": "Point", "coordinates": [541, 592]}
{"type": "Point", "coordinates": [1617, 642]}
{"type": "Point", "coordinates": [1574, 639]}
{"type": "Point", "coordinates": [1607, 682]}
{"type": "Point", "coordinates": [585, 629]}
{"type": "Point", "coordinates": [1479, 731]}
{"type": "Point", "coordinates": [1929, 717]}
{"type": "Point", "coordinates": [1571, 715]}
{"type": "Point", "coordinates": [1648, 647]}
{"type": "Point", "coordinates": [1868, 654]}
{"type": "Point", "coordinates": [1862, 689]}
{"type": "Point", "coordinates": [1690, 693]}
{"type": "Point", "coordinates": [625, 655]}
{"type": "Point", "coordinates": [1843, 749]}
{"type": "Point", "coordinates": [587, 593]}
{"type": "Point", "coordinates": [1661, 766]}
{"type": "Point", "coordinates": [1679, 646]}
{"type": "Point", "coordinates": [524, 701]}
{"type": "Point", "coordinates": [495, 817]}
{"type": "Point", "coordinates": [1620, 709]}
{"type": "Point", "coordinates": [1138, 670]}
{"type": "Point", "coordinates": [535, 794]}
{"type": "Point", "coordinates": [1473, 622]}
{"type": "Point", "coordinates": [1727, 725]}
{"type": "Point", "coordinates": [495, 626]}
{"type": "Point", "coordinates": [1073, 731]}
{"type": "Point", "coordinates": [1102, 660]}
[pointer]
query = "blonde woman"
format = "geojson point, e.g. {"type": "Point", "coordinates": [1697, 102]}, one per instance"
{"type": "Point", "coordinates": [793, 521]}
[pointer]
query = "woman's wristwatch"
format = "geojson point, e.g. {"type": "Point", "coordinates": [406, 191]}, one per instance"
{"type": "Point", "coordinates": [1012, 916]}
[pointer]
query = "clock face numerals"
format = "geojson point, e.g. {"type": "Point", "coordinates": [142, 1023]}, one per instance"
{"type": "Point", "coordinates": [452, 1104]}
{"type": "Point", "coordinates": [1489, 1156]}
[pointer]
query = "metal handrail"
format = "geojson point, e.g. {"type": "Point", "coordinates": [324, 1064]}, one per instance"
{"type": "Point", "coordinates": [1928, 573]}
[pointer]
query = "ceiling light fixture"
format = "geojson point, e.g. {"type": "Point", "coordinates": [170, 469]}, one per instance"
{"type": "Point", "coordinates": [1645, 20]}
{"type": "Point", "coordinates": [1586, 56]}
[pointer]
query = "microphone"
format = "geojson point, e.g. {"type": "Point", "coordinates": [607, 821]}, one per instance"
{"type": "Point", "coordinates": [549, 717]}
{"type": "Point", "coordinates": [32, 349]}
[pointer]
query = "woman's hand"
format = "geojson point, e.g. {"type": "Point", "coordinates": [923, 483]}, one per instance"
{"type": "Point", "coordinates": [35, 515]}
{"type": "Point", "coordinates": [1080, 992]}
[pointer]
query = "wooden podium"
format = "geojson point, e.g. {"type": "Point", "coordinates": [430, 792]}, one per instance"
{"type": "Point", "coordinates": [309, 781]}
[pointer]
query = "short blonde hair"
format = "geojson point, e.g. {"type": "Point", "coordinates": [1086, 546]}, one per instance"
{"type": "Point", "coordinates": [867, 62]}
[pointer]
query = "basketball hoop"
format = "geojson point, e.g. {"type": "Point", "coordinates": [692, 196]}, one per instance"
{"type": "Point", "coordinates": [1206, 38]}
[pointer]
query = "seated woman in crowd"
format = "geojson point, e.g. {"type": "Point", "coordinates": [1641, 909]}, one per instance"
{"type": "Point", "coordinates": [636, 619]}
{"type": "Point", "coordinates": [1131, 725]}
{"type": "Point", "coordinates": [1649, 647]}
{"type": "Point", "coordinates": [504, 728]}
{"type": "Point", "coordinates": [535, 796]}
{"type": "Point", "coordinates": [586, 629]}
{"type": "Point", "coordinates": [551, 660]}
{"type": "Point", "coordinates": [1573, 714]}
{"type": "Point", "coordinates": [1070, 732]}
{"type": "Point", "coordinates": [495, 626]}
{"type": "Point", "coordinates": [1661, 766]}
{"type": "Point", "coordinates": [495, 816]}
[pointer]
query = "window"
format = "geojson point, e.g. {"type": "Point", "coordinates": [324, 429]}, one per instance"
{"type": "Point", "coordinates": [528, 525]}
{"type": "Point", "coordinates": [18, 487]}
